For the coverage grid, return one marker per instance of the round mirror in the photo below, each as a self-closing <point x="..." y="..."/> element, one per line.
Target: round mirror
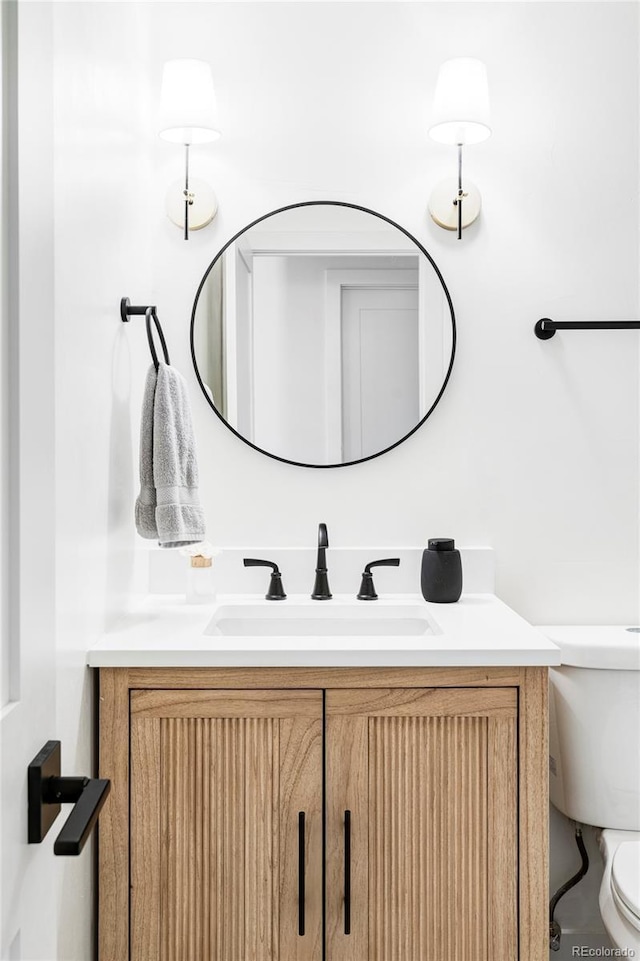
<point x="323" y="334"/>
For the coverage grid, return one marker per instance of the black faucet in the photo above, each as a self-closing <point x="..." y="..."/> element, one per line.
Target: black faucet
<point x="321" y="590"/>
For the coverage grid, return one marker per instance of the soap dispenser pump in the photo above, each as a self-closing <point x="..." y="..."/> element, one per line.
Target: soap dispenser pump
<point x="441" y="575"/>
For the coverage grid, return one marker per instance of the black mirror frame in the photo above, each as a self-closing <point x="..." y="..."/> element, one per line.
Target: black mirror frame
<point x="320" y="203"/>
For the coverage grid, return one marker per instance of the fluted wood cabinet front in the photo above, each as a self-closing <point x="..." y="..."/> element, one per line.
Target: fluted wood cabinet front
<point x="424" y="800"/>
<point x="422" y="825"/>
<point x="223" y="866"/>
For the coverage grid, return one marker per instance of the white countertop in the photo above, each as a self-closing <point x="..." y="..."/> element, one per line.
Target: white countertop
<point x="478" y="630"/>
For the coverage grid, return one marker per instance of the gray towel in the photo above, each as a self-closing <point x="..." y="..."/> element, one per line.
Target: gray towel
<point x="146" y="502"/>
<point x="168" y="508"/>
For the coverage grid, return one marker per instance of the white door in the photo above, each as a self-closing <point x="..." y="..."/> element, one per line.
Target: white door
<point x="28" y="873"/>
<point x="380" y="370"/>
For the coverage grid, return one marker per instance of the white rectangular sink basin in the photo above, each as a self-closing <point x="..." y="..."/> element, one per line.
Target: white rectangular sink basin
<point x="323" y="619"/>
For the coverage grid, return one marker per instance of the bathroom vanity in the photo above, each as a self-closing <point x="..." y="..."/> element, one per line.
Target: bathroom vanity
<point x="348" y="798"/>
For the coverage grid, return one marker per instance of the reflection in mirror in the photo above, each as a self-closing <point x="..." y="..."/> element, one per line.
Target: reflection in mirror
<point x="323" y="334"/>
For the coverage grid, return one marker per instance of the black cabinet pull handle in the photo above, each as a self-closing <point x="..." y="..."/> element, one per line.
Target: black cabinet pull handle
<point x="301" y="874"/>
<point x="347" y="872"/>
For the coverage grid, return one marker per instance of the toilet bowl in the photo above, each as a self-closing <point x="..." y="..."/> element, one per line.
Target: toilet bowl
<point x="620" y="889"/>
<point x="594" y="760"/>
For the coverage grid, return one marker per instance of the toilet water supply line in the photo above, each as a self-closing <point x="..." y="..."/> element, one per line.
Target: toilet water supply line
<point x="555" y="931"/>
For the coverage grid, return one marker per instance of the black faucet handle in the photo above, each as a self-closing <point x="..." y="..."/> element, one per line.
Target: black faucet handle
<point x="276" y="587"/>
<point x="367" y="590"/>
<point x="323" y="536"/>
<point x="385" y="562"/>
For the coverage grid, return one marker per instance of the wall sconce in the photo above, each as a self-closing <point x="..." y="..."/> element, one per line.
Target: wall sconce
<point x="188" y="116"/>
<point x="460" y="116"/>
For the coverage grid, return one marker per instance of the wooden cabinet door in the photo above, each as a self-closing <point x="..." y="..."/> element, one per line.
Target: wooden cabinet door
<point x="421" y="825"/>
<point x="226" y="825"/>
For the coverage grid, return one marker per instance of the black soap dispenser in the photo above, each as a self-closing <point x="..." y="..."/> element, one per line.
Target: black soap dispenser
<point x="441" y="575"/>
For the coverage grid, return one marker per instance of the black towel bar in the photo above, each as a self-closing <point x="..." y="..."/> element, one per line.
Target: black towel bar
<point x="127" y="310"/>
<point x="546" y="328"/>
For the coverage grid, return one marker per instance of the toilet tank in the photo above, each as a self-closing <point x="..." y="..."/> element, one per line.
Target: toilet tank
<point x="594" y="729"/>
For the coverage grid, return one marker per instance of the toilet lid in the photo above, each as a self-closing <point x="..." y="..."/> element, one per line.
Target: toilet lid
<point x="625" y="880"/>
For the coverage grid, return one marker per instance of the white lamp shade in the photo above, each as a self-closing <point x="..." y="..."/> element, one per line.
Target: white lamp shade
<point x="187" y="103"/>
<point x="461" y="113"/>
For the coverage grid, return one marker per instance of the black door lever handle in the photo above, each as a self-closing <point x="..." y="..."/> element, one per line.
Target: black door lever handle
<point x="88" y="803"/>
<point x="47" y="791"/>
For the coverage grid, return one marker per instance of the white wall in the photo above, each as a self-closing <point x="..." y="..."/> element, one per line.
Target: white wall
<point x="534" y="447"/>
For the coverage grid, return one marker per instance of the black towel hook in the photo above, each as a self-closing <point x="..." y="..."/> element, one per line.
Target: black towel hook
<point x="127" y="310"/>
<point x="150" y="315"/>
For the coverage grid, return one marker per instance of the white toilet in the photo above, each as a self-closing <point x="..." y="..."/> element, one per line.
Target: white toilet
<point x="594" y="759"/>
